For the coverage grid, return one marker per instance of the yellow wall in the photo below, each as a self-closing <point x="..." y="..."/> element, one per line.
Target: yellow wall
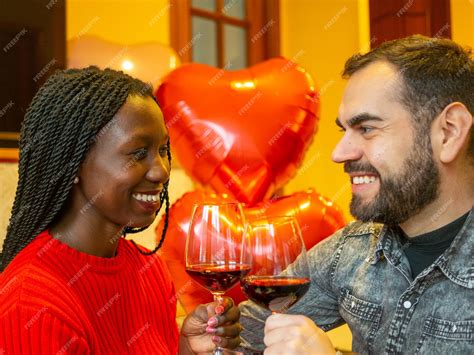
<point x="462" y="18"/>
<point x="321" y="35"/>
<point x="121" y="21"/>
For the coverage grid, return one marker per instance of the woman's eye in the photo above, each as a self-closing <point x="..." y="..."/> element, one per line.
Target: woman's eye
<point x="164" y="150"/>
<point x="140" y="154"/>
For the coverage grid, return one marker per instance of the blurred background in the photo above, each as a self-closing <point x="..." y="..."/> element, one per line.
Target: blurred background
<point x="149" y="38"/>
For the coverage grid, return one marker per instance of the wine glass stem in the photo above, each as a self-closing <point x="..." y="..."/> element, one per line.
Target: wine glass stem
<point x="220" y="300"/>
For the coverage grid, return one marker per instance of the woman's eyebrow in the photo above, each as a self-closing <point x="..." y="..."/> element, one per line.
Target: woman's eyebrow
<point x="147" y="137"/>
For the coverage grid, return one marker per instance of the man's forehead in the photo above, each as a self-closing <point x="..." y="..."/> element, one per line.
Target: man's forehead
<point x="371" y="89"/>
<point x="377" y="76"/>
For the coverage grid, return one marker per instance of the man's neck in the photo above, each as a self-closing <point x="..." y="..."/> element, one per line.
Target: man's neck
<point x="436" y="215"/>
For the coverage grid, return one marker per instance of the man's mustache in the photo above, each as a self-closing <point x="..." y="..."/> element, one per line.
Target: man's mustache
<point x="356" y="166"/>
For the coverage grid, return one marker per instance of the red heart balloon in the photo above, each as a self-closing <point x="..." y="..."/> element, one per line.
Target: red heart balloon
<point x="240" y="132"/>
<point x="317" y="216"/>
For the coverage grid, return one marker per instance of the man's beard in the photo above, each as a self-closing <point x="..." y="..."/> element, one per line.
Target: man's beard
<point x="403" y="195"/>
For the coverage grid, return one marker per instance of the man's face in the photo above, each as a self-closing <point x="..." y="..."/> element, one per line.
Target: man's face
<point x="388" y="158"/>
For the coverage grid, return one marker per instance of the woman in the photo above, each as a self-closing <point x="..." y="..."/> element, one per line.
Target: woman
<point x="94" y="165"/>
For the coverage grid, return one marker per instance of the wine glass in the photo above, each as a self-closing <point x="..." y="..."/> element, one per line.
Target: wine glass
<point x="276" y="243"/>
<point x="214" y="253"/>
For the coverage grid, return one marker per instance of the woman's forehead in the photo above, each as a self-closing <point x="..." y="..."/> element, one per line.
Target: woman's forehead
<point x="139" y="116"/>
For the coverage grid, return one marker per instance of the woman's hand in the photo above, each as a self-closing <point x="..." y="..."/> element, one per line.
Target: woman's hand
<point x="295" y="334"/>
<point x="210" y="325"/>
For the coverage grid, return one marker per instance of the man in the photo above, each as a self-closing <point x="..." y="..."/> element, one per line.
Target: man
<point x="402" y="275"/>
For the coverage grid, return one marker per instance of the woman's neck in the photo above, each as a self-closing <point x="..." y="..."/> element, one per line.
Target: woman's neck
<point x="87" y="233"/>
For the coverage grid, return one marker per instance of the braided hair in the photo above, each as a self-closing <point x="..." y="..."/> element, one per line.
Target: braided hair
<point x="60" y="126"/>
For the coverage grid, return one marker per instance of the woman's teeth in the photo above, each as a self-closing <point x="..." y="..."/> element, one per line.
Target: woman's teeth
<point x="146" y="198"/>
<point x="358" y="180"/>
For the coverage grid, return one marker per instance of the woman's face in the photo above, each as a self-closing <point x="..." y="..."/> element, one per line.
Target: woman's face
<point x="125" y="170"/>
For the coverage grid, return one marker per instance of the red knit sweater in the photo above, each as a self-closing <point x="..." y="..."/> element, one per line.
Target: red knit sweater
<point x="57" y="300"/>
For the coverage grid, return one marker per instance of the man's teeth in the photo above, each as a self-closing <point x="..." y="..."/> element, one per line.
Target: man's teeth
<point x="146" y="198"/>
<point x="357" y="180"/>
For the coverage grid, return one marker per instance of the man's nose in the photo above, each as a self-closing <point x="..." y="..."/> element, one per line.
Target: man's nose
<point x="346" y="149"/>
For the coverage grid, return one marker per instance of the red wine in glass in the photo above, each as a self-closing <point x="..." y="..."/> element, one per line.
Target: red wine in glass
<point x="280" y="272"/>
<point x="276" y="294"/>
<point x="217" y="278"/>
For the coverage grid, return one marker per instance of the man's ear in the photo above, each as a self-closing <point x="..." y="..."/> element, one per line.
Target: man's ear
<point x="451" y="131"/>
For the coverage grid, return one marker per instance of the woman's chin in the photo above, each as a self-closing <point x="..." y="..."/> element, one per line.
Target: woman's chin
<point x="143" y="222"/>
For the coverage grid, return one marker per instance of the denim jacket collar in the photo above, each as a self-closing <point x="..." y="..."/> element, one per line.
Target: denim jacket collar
<point x="456" y="262"/>
<point x="376" y="230"/>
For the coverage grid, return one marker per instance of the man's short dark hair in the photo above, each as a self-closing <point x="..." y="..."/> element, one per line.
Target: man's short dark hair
<point x="434" y="71"/>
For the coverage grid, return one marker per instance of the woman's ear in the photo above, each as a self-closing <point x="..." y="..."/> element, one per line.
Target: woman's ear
<point x="451" y="131"/>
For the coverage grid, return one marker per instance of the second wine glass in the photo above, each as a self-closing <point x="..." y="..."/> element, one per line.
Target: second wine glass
<point x="280" y="272"/>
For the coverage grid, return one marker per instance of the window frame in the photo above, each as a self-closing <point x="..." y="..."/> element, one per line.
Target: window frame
<point x="262" y="23"/>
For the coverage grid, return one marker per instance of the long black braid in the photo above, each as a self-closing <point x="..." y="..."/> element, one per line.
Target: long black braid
<point x="60" y="126"/>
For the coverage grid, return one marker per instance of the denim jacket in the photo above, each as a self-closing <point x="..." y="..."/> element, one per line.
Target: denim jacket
<point x="360" y="276"/>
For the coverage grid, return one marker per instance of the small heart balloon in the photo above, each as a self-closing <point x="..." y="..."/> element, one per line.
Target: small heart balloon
<point x="317" y="217"/>
<point x="149" y="62"/>
<point x="240" y="132"/>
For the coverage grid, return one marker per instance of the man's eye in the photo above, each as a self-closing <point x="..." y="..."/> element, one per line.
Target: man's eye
<point x="341" y="129"/>
<point x="140" y="154"/>
<point x="365" y="129"/>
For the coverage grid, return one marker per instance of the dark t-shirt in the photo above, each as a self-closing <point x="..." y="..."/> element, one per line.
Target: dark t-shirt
<point x="424" y="249"/>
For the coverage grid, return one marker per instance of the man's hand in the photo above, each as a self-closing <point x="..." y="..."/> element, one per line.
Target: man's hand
<point x="295" y="334"/>
<point x="210" y="325"/>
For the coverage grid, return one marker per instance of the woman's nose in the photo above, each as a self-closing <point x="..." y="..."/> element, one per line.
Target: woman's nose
<point x="160" y="171"/>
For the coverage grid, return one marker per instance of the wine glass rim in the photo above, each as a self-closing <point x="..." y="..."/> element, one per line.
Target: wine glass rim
<point x="217" y="203"/>
<point x="271" y="219"/>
